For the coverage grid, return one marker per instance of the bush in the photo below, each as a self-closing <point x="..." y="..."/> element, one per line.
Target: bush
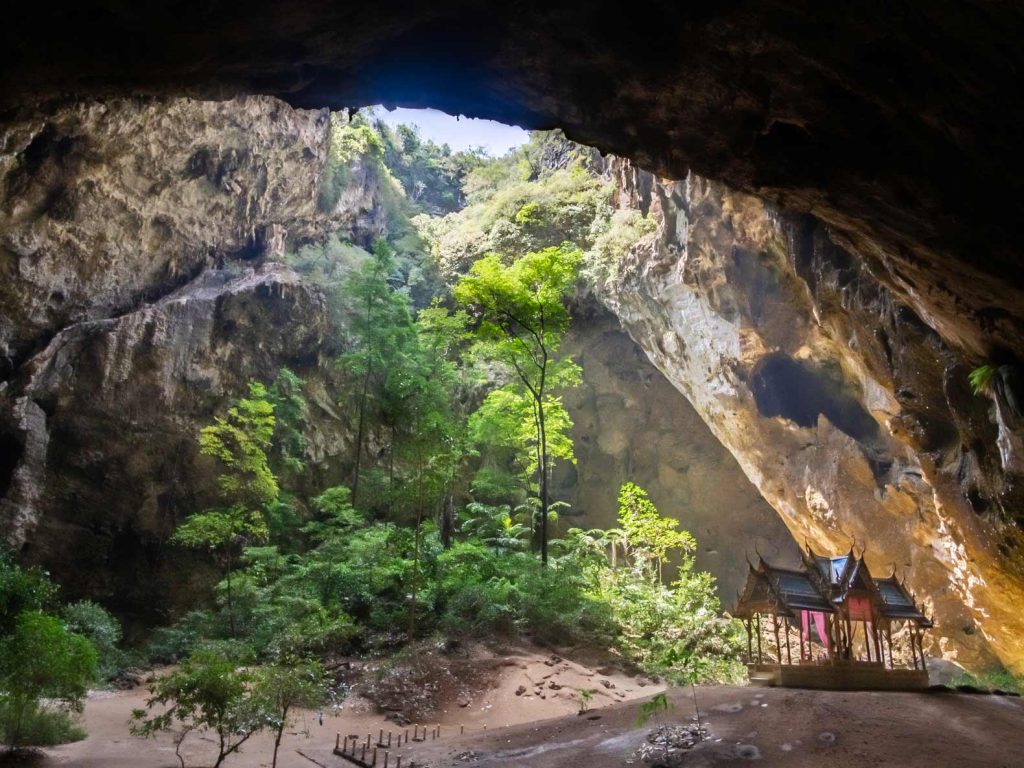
<point x="38" y="725"/>
<point x="168" y="645"/>
<point x="95" y="623"/>
<point x="40" y="659"/>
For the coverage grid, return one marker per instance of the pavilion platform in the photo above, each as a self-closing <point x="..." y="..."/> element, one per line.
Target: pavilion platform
<point x="857" y="676"/>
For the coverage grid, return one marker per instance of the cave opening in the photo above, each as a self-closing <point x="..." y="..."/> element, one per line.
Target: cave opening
<point x="793" y="390"/>
<point x="806" y="132"/>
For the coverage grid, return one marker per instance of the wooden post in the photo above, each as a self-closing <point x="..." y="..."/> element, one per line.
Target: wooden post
<point x="337" y="742"/>
<point x="387" y="756"/>
<point x="867" y="640"/>
<point x="759" y="657"/>
<point x="750" y="642"/>
<point x="913" y="645"/>
<point x="778" y="643"/>
<point x="398" y="762"/>
<point x="374" y="756"/>
<point x="789" y="654"/>
<point x="849" y="635"/>
<point x="462" y="729"/>
<point x="888" y="640"/>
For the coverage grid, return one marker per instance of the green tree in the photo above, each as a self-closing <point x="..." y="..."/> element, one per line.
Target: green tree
<point x="22" y="589"/>
<point x="247" y="484"/>
<point x="95" y="623"/>
<point x="290" y="411"/>
<point x="208" y="692"/>
<point x="40" y="660"/>
<point x="381" y="327"/>
<point x="648" y="536"/>
<point x="522" y="315"/>
<point x="281" y="688"/>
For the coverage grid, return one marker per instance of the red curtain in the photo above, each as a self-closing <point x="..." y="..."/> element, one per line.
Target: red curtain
<point x="860" y="608"/>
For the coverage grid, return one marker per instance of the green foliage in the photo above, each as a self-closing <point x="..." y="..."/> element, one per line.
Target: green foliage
<point x="648" y="709"/>
<point x="38" y="726"/>
<point x="431" y="175"/>
<point x="981" y="378"/>
<point x="21" y="590"/>
<point x="522" y="318"/>
<point x="352" y="143"/>
<point x="494" y="526"/>
<point x="282" y="687"/>
<point x="991" y="680"/>
<point x="585" y="695"/>
<point x="289" y="409"/>
<point x="647" y="535"/>
<point x="614" y="238"/>
<point x="518" y="210"/>
<point x="95" y="623"/>
<point x="240" y="442"/>
<point x="168" y="645"/>
<point x="208" y="692"/>
<point x="40" y="660"/>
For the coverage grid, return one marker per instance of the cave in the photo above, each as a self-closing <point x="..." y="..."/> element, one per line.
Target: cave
<point x="811" y="338"/>
<point x="788" y="388"/>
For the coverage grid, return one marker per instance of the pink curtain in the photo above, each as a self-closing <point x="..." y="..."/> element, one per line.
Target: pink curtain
<point x="818" y="617"/>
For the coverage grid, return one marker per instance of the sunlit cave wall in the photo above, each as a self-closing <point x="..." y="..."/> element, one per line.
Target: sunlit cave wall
<point x="631" y="425"/>
<point x="847" y="411"/>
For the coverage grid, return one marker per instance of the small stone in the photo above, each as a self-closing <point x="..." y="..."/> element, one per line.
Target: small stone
<point x="520" y="690"/>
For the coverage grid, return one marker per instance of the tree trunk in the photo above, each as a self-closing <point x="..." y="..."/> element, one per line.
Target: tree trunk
<point x="231" y="602"/>
<point x="447" y="520"/>
<point x="359" y="434"/>
<point x="543" y="488"/>
<point x="277" y="740"/>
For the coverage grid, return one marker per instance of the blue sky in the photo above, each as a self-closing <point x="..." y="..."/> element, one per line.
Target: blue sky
<point x="462" y="133"/>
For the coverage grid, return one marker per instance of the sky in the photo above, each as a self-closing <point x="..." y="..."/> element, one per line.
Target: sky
<point x="461" y="133"/>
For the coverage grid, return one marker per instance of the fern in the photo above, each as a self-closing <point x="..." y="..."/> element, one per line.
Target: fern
<point x="981" y="379"/>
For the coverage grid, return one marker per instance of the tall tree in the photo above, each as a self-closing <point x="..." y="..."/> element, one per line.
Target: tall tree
<point x="648" y="536"/>
<point x="430" y="440"/>
<point x="523" y="317"/>
<point x="381" y="324"/>
<point x="247" y="484"/>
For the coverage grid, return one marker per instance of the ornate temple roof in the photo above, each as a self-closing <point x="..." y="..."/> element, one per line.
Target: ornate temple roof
<point x="824" y="584"/>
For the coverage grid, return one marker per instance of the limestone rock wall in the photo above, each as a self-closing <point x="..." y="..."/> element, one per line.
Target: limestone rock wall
<point x="845" y="409"/>
<point x="104" y="206"/>
<point x="139" y="296"/>
<point x="631" y="424"/>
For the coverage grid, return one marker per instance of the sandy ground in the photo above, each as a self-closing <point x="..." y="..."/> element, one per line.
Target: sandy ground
<point x="776" y="727"/>
<point x="550" y="684"/>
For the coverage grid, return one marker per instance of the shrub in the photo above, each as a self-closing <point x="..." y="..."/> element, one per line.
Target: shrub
<point x="95" y="623"/>
<point x="40" y="726"/>
<point x="207" y="692"/>
<point x="40" y="659"/>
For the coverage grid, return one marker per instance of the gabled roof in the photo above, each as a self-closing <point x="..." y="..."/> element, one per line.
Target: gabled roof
<point x="786" y="591"/>
<point x="797" y="590"/>
<point x="897" y="603"/>
<point x="823" y="584"/>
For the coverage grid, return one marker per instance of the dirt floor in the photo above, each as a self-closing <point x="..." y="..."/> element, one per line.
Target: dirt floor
<point x="529" y="718"/>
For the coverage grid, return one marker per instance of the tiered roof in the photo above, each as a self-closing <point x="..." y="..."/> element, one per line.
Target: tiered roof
<point x="824" y="584"/>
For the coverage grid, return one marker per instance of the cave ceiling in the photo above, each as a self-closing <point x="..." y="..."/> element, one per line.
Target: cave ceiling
<point x="897" y="124"/>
